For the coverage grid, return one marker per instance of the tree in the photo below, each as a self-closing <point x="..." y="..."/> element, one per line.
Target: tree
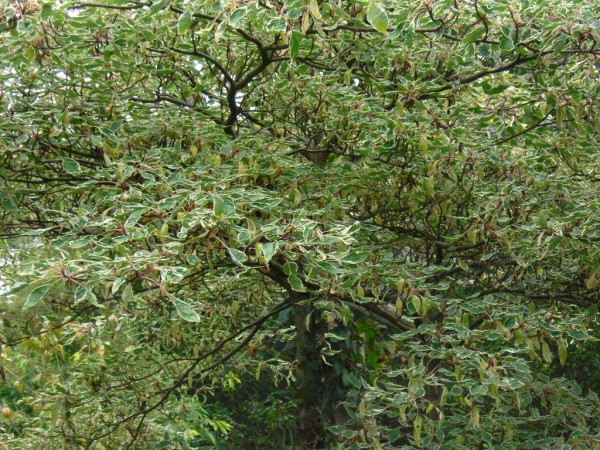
<point x="390" y="207"/>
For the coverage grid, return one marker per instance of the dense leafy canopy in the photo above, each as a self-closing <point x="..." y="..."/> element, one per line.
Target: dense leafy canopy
<point x="353" y="224"/>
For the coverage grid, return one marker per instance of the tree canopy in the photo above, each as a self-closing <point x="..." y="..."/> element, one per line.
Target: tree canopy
<point x="298" y="224"/>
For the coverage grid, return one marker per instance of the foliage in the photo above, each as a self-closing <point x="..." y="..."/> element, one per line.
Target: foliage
<point x="389" y="208"/>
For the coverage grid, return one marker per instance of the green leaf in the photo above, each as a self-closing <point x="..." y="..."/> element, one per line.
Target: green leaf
<point x="237" y="256"/>
<point x="269" y="250"/>
<point x="91" y="297"/>
<point x="185" y="21"/>
<point x="185" y="310"/>
<point x="133" y="219"/>
<point x="578" y="334"/>
<point x="70" y="165"/>
<point x="237" y="16"/>
<point x="127" y="293"/>
<point x="8" y="203"/>
<point x="377" y="17"/>
<point x="295" y="41"/>
<point x="290" y="268"/>
<point x="473" y="35"/>
<point x="218" y="206"/>
<point x="46" y="12"/>
<point x="159" y="6"/>
<point x="296" y="283"/>
<point x="36" y="295"/>
<point x="562" y="351"/>
<point x="507" y="44"/>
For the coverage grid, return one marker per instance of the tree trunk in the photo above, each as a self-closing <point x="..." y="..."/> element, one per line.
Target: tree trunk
<point x="309" y="393"/>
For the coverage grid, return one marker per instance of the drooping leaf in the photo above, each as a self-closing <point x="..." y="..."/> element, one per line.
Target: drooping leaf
<point x="218" y="206"/>
<point x="295" y="42"/>
<point x="313" y="7"/>
<point x="185" y="21"/>
<point x="269" y="250"/>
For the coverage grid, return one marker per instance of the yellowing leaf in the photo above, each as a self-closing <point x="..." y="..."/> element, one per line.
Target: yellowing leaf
<point x="377" y="17"/>
<point x="531" y="347"/>
<point x="444" y="396"/>
<point x="423" y="144"/>
<point x="164" y="230"/>
<point x="547" y="355"/>
<point x="127" y="293"/>
<point x="297" y="195"/>
<point x="313" y="7"/>
<point x="417" y="428"/>
<point x="562" y="351"/>
<point x="399" y="305"/>
<point x="360" y="291"/>
<point x="402" y="412"/>
<point x="416" y="302"/>
<point x="305" y="21"/>
<point x="592" y="282"/>
<point x="475" y="415"/>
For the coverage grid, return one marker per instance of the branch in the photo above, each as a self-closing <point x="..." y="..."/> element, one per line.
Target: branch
<point x="208" y="58"/>
<point x="529" y="128"/>
<point x="105" y="6"/>
<point x="483" y="73"/>
<point x="369" y="309"/>
<point x="182" y="379"/>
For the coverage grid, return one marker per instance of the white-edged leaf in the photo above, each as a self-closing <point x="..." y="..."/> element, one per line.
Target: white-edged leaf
<point x="133" y="218"/>
<point x="269" y="249"/>
<point x="185" y="310"/>
<point x="36" y="295"/>
<point x="117" y="284"/>
<point x="473" y="35"/>
<point x="237" y="256"/>
<point x="80" y="293"/>
<point x="70" y="165"/>
<point x="296" y="283"/>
